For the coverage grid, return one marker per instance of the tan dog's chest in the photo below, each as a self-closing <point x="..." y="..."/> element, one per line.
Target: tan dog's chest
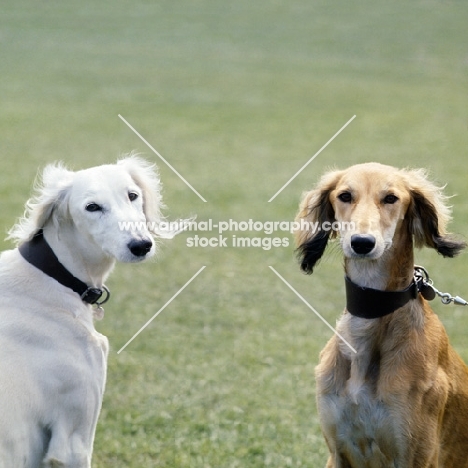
<point x="364" y="432"/>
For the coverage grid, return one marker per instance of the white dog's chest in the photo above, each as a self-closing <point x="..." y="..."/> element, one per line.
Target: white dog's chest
<point x="365" y="432"/>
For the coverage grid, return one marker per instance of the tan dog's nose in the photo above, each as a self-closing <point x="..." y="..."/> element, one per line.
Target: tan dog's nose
<point x="362" y="244"/>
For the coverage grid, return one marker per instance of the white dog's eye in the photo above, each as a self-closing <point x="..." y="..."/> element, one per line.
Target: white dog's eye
<point x="132" y="196"/>
<point x="93" y="207"/>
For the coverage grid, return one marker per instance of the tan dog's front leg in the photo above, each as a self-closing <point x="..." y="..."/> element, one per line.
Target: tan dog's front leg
<point x="337" y="461"/>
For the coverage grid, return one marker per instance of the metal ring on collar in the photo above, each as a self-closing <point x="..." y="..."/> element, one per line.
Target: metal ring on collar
<point x="108" y="294"/>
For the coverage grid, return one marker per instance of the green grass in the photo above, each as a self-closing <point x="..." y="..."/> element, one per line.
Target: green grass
<point x="237" y="96"/>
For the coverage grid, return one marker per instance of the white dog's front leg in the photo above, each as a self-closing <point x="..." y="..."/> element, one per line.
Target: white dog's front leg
<point x="79" y="461"/>
<point x="73" y="452"/>
<point x="72" y="434"/>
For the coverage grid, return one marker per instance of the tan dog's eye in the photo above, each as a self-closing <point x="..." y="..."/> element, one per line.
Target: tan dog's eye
<point x="345" y="197"/>
<point x="390" y="199"/>
<point x="132" y="196"/>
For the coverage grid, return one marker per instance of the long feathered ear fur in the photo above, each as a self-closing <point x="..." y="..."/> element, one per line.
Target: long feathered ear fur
<point x="49" y="200"/>
<point x="428" y="216"/>
<point x="146" y="177"/>
<point x="314" y="210"/>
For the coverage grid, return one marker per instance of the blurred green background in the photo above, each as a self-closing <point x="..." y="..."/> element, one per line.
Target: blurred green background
<point x="237" y="96"/>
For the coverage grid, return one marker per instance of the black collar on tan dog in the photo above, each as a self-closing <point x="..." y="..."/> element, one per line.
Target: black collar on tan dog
<point x="38" y="252"/>
<point x="371" y="303"/>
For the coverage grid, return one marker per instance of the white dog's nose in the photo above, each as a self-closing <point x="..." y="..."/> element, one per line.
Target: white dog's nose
<point x="362" y="244"/>
<point x="140" y="248"/>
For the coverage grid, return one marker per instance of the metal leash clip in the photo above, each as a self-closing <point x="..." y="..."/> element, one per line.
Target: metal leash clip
<point x="429" y="291"/>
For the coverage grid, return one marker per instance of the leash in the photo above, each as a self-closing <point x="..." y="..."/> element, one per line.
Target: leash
<point x="373" y="303"/>
<point x="39" y="253"/>
<point x="429" y="292"/>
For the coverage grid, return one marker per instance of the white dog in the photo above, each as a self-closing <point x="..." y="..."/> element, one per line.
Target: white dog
<point x="53" y="364"/>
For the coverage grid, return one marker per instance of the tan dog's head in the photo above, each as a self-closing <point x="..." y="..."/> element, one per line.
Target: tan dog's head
<point x="367" y="205"/>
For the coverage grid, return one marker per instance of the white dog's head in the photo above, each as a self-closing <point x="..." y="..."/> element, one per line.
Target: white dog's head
<point x="113" y="209"/>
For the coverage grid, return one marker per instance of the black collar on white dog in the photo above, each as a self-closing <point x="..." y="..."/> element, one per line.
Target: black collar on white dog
<point x="38" y="252"/>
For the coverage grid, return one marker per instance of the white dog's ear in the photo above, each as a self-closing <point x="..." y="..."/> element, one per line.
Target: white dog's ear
<point x="49" y="200"/>
<point x="145" y="175"/>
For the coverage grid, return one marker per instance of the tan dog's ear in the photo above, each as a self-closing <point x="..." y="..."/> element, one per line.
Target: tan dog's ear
<point x="428" y="216"/>
<point x="314" y="210"/>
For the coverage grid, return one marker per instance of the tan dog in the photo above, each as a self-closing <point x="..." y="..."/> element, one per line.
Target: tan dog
<point x="400" y="400"/>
